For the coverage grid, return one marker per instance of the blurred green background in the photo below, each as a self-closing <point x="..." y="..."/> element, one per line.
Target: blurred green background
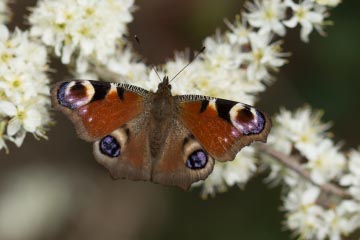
<point x="55" y="190"/>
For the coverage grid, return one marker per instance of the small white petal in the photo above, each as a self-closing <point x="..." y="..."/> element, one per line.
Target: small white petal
<point x="32" y="120"/>
<point x="18" y="138"/>
<point x="4" y="33"/>
<point x="315" y="17"/>
<point x="310" y="195"/>
<point x="291" y="23"/>
<point x="81" y="64"/>
<point x="66" y="54"/>
<point x="8" y="108"/>
<point x="14" y="126"/>
<point x="306" y="29"/>
<point x="279" y="29"/>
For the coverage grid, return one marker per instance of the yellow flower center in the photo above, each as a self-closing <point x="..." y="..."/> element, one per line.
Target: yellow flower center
<point x="21" y="115"/>
<point x="8" y="44"/>
<point x="16" y="83"/>
<point x="2" y="94"/>
<point x="269" y="14"/>
<point x="68" y="39"/>
<point x="5" y="57"/>
<point x="203" y="83"/>
<point x="2" y="128"/>
<point x="68" y="16"/>
<point x="319" y="163"/>
<point x="84" y="31"/>
<point x="89" y="11"/>
<point x="60" y="26"/>
<point x="258" y="55"/>
<point x="300" y="13"/>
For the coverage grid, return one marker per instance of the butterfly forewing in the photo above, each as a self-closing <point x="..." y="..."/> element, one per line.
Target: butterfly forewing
<point x="98" y="108"/>
<point x="222" y="126"/>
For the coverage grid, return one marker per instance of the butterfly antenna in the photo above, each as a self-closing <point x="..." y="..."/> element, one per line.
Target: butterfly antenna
<point x="192" y="60"/>
<point x="137" y="39"/>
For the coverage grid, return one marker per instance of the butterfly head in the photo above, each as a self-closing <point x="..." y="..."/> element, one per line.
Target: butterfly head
<point x="164" y="87"/>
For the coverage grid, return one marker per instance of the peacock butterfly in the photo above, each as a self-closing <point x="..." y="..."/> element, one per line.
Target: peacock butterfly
<point x="155" y="136"/>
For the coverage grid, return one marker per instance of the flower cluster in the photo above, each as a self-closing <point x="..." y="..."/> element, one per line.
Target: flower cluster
<point x="303" y="131"/>
<point x="4" y="12"/>
<point x="311" y="212"/>
<point x="24" y="90"/>
<point x="81" y="32"/>
<point x="270" y="16"/>
<point x="310" y="220"/>
<point x="239" y="63"/>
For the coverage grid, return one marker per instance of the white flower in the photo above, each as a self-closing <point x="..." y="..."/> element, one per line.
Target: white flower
<point x="23" y="119"/>
<point x="330" y="3"/>
<point x="339" y="221"/>
<point x="348" y="212"/>
<point x="241" y="169"/>
<point x="215" y="73"/>
<point x="311" y="221"/>
<point x="189" y="81"/>
<point x="303" y="134"/>
<point x="220" y="54"/>
<point x="267" y="15"/>
<point x="303" y="195"/>
<point x="307" y="15"/>
<point x="27" y="118"/>
<point x="127" y="68"/>
<point x="239" y="33"/>
<point x="304" y="216"/>
<point x="4" y="11"/>
<point x="7" y="109"/>
<point x="352" y="178"/>
<point x="325" y="162"/>
<point x="264" y="55"/>
<point x="82" y="31"/>
<point x="302" y="129"/>
<point x="24" y="89"/>
<point x="227" y="174"/>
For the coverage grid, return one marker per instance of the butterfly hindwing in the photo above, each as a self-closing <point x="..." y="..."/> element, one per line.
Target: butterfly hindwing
<point x="182" y="160"/>
<point x="125" y="152"/>
<point x="222" y="126"/>
<point x="98" y="108"/>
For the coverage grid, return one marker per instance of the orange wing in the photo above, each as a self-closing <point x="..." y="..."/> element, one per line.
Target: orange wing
<point x="98" y="108"/>
<point x="221" y="126"/>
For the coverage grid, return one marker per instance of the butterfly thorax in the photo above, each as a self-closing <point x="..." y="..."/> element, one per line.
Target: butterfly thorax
<point x="162" y="113"/>
<point x="162" y="101"/>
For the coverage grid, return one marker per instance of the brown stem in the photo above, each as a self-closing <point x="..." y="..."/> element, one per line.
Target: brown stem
<point x="292" y="163"/>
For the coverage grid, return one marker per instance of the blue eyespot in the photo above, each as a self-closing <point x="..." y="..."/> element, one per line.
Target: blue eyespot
<point x="197" y="160"/>
<point x="61" y="96"/>
<point x="110" y="146"/>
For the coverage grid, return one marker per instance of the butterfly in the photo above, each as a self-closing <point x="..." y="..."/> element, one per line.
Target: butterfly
<point x="155" y="136"/>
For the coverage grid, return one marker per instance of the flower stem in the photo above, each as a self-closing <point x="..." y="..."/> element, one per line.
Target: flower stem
<point x="292" y="163"/>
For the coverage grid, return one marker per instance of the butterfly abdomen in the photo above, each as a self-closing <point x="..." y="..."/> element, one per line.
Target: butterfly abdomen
<point x="161" y="120"/>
